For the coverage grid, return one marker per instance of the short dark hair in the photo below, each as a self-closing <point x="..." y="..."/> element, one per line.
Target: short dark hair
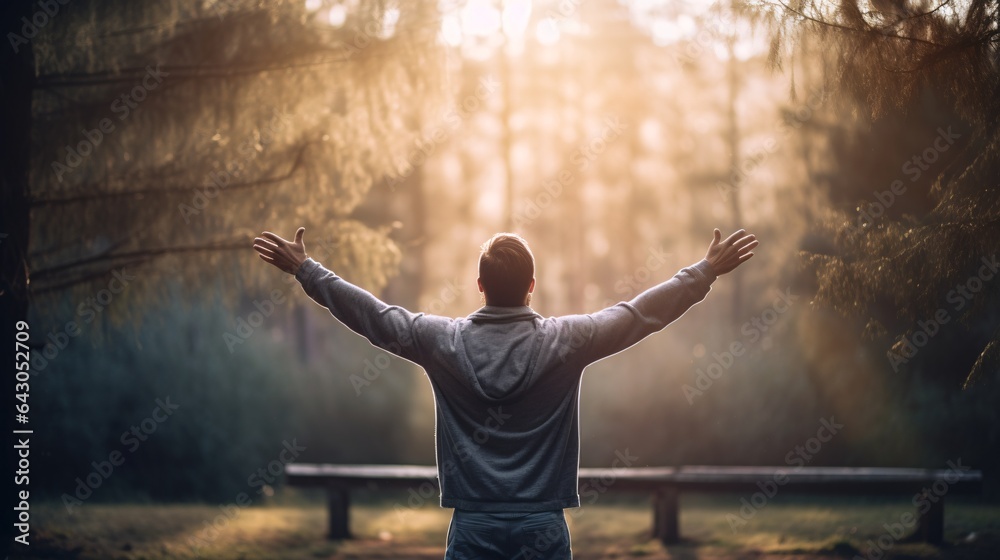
<point x="506" y="268"/>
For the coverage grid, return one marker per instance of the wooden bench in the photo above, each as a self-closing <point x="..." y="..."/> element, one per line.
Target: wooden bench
<point x="665" y="484"/>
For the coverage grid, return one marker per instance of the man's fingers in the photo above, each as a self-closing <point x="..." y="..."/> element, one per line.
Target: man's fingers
<point x="265" y="259"/>
<point x="746" y="242"/>
<point x="265" y="243"/>
<point x="745" y="257"/>
<point x="718" y="237"/>
<point x="262" y="245"/>
<point x="265" y="251"/>
<point x="280" y="241"/>
<point x="736" y="235"/>
<point x="298" y="234"/>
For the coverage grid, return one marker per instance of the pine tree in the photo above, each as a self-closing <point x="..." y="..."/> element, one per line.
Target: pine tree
<point x="165" y="135"/>
<point x="907" y="270"/>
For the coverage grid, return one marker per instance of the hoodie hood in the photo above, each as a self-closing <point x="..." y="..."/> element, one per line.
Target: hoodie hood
<point x="496" y="314"/>
<point x="501" y="348"/>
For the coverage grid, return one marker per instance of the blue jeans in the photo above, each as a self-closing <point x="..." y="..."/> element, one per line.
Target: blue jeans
<point x="475" y="535"/>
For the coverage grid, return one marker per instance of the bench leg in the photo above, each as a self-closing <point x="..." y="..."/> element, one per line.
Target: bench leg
<point x="665" y="516"/>
<point x="930" y="526"/>
<point x="338" y="503"/>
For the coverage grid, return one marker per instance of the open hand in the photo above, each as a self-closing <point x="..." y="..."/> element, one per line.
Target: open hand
<point x="726" y="255"/>
<point x="284" y="254"/>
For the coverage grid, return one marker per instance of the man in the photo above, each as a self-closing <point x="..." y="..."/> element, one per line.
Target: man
<point x="506" y="383"/>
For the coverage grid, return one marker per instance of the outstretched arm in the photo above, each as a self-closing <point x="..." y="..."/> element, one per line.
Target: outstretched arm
<point x="387" y="326"/>
<point x="615" y="328"/>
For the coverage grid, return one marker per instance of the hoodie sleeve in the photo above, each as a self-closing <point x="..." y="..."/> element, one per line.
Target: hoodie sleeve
<point x="389" y="327"/>
<point x="615" y="328"/>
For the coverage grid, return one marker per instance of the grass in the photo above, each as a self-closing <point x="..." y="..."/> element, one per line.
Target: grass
<point x="788" y="529"/>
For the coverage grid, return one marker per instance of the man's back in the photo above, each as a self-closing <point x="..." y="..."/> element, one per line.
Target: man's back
<point x="506" y="382"/>
<point x="506" y="405"/>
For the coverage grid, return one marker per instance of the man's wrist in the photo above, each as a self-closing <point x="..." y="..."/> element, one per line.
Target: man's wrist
<point x="705" y="266"/>
<point x="300" y="268"/>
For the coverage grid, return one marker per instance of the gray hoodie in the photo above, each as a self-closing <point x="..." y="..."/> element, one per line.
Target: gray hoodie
<point x="506" y="381"/>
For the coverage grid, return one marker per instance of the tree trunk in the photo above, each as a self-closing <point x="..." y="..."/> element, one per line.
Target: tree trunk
<point x="733" y="139"/>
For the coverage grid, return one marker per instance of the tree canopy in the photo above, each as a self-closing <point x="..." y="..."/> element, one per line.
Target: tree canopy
<point x="919" y="248"/>
<point x="169" y="133"/>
